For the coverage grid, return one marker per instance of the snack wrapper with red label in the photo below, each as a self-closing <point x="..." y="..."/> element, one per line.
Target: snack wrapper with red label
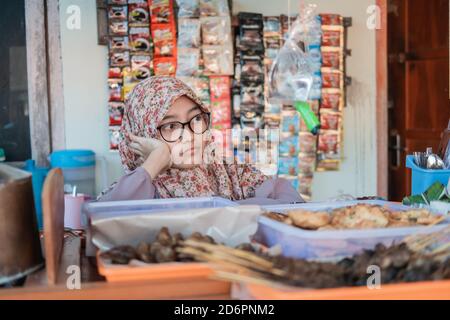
<point x="115" y="113"/>
<point x="220" y="88"/>
<point x="331" y="19"/>
<point x="289" y="145"/>
<point x="329" y="143"/>
<point x="114" y="137"/>
<point x="115" y="72"/>
<point x="333" y="36"/>
<point x="331" y="99"/>
<point x="221" y="113"/>
<point x="331" y="79"/>
<point x="161" y="11"/>
<point x="115" y="90"/>
<point x="118" y="2"/>
<point x="332" y="58"/>
<point x="288" y="166"/>
<point x="164" y="40"/>
<point x="330" y="120"/>
<point x="165" y="66"/>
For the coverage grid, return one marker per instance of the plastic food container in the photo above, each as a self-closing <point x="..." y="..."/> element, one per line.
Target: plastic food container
<point x="422" y="179"/>
<point x="310" y="244"/>
<point x="123" y="208"/>
<point x="430" y="290"/>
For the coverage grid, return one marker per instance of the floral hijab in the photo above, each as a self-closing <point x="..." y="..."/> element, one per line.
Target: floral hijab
<point x="144" y="110"/>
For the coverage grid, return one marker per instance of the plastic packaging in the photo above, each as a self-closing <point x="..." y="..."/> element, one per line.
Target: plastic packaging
<point x="188" y="33"/>
<point x="188" y="8"/>
<point x="305" y="244"/>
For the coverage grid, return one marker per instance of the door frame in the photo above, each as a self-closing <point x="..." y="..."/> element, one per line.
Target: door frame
<point x="45" y="86"/>
<point x="381" y="59"/>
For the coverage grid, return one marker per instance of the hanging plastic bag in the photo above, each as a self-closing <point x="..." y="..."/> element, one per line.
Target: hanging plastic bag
<point x="291" y="76"/>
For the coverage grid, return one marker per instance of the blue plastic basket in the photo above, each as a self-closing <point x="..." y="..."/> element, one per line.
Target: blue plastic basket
<point x="422" y="179"/>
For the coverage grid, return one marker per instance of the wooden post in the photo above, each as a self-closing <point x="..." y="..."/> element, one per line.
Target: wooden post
<point x="37" y="80"/>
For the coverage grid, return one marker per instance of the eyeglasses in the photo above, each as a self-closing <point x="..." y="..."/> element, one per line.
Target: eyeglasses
<point x="173" y="131"/>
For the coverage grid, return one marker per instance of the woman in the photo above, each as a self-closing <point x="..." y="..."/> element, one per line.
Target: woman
<point x="168" y="152"/>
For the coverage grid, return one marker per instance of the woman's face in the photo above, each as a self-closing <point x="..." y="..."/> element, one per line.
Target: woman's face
<point x="187" y="150"/>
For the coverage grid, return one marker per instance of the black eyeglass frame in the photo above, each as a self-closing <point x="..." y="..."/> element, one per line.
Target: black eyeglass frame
<point x="183" y="125"/>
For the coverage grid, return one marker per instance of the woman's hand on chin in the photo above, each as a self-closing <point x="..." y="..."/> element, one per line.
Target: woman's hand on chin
<point x="155" y="152"/>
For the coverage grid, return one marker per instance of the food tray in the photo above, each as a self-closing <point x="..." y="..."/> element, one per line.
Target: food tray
<point x="307" y="244"/>
<point x="430" y="290"/>
<point x="171" y="275"/>
<point x="121" y="208"/>
<point x="128" y="208"/>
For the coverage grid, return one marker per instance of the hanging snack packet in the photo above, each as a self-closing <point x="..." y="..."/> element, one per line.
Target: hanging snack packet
<point x="188" y="33"/>
<point x="138" y="13"/>
<point x="115" y="90"/>
<point x="118" y="28"/>
<point x="330" y="120"/>
<point x="218" y="60"/>
<point x="307" y="162"/>
<point x="331" y="19"/>
<point x="252" y="70"/>
<point x="188" y="61"/>
<point x="331" y="78"/>
<point x="288" y="166"/>
<point x="119" y="13"/>
<point x="331" y="99"/>
<point x="118" y="2"/>
<point x="119" y="59"/>
<point x="140" y="39"/>
<point x="220" y="88"/>
<point x="118" y="44"/>
<point x="114" y="137"/>
<point x="221" y="113"/>
<point x="115" y="72"/>
<point x="213" y="8"/>
<point x="188" y="8"/>
<point x="289" y="145"/>
<point x="272" y="27"/>
<point x="290" y="122"/>
<point x="140" y="67"/>
<point x="115" y="113"/>
<point x="165" y="66"/>
<point x="216" y="30"/>
<point x="332" y="57"/>
<point x="252" y="94"/>
<point x="333" y="36"/>
<point x="161" y="11"/>
<point x="308" y="142"/>
<point x="305" y="185"/>
<point x="164" y="40"/>
<point x="329" y="143"/>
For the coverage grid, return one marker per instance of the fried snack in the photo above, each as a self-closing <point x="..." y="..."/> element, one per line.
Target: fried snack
<point x="276" y="216"/>
<point x="399" y="223"/>
<point x="361" y="216"/>
<point x="415" y="216"/>
<point x="306" y="219"/>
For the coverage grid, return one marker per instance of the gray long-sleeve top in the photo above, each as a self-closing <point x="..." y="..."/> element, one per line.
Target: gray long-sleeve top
<point x="137" y="185"/>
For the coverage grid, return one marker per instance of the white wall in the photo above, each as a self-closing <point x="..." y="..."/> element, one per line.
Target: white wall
<point x="85" y="69"/>
<point x="85" y="90"/>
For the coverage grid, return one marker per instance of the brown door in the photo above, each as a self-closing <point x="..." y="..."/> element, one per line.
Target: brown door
<point x="419" y="105"/>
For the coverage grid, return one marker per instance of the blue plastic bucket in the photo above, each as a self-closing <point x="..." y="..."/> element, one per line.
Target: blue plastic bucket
<point x="78" y="168"/>
<point x="422" y="179"/>
<point x="38" y="176"/>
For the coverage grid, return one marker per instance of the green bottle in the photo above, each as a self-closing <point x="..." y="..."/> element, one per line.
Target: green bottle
<point x="311" y="121"/>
